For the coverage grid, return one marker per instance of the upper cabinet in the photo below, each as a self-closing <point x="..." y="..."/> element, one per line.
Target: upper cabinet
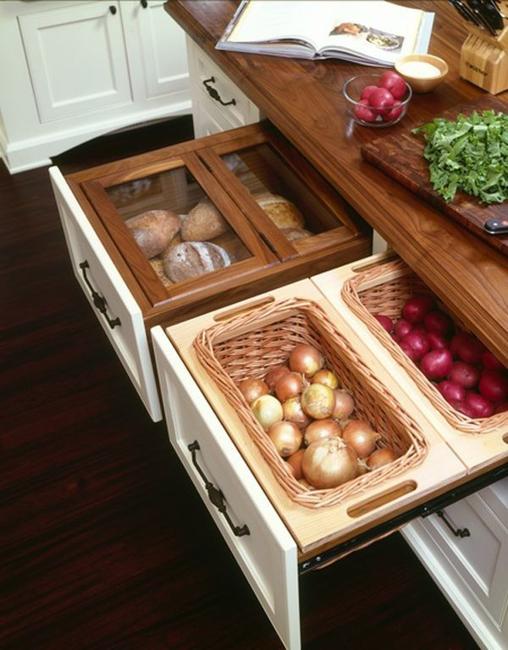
<point x="81" y="69"/>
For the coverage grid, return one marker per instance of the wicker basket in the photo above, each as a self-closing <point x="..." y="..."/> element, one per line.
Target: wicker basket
<point x="384" y="289"/>
<point x="251" y="344"/>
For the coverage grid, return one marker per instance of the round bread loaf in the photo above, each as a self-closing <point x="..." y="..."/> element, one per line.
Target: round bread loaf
<point x="158" y="267"/>
<point x="292" y="234"/>
<point x="282" y="212"/>
<point x="203" y="222"/>
<point x="153" y="230"/>
<point x="233" y="246"/>
<point x="194" y="258"/>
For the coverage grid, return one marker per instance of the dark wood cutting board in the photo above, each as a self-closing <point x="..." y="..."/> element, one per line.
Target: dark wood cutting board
<point x="401" y="156"/>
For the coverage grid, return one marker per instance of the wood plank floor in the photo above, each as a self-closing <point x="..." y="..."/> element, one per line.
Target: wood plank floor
<point x="103" y="544"/>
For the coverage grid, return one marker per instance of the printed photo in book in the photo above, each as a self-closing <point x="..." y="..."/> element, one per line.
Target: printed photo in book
<point x="373" y="32"/>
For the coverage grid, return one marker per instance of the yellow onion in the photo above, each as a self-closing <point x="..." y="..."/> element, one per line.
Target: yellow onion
<point x="325" y="377"/>
<point x="293" y="412"/>
<point x="359" y="435"/>
<point x="305" y="484"/>
<point x="273" y="375"/>
<point x="295" y="462"/>
<point x="252" y="388"/>
<point x="267" y="410"/>
<point x="329" y="463"/>
<point x="318" y="401"/>
<point x="289" y="385"/>
<point x="321" y="429"/>
<point x="306" y="359"/>
<point x="381" y="457"/>
<point x="343" y="405"/>
<point x="286" y="437"/>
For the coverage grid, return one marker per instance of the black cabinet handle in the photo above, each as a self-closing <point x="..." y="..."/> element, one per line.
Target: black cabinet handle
<point x="98" y="300"/>
<point x="214" y="93"/>
<point x="144" y="3"/>
<point x="112" y="9"/>
<point x="214" y="494"/>
<point x="458" y="532"/>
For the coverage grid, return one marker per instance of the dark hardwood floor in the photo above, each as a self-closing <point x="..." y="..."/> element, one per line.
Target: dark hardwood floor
<point x="103" y="542"/>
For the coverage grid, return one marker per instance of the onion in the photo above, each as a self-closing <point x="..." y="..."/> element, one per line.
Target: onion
<point x="286" y="437"/>
<point x="318" y="401"/>
<point x="467" y="347"/>
<point x="436" y="341"/>
<point x="329" y="463"/>
<point x="343" y="405"/>
<point x="267" y="410"/>
<point x="381" y="457"/>
<point x="325" y="377"/>
<point x="359" y="435"/>
<point x="417" y="308"/>
<point x="273" y="375"/>
<point x="306" y="359"/>
<point x="478" y="405"/>
<point x="295" y="462"/>
<point x="293" y="412"/>
<point x="417" y="342"/>
<point x="491" y="362"/>
<point x="289" y="385"/>
<point x="493" y="386"/>
<point x="464" y="374"/>
<point x="320" y="429"/>
<point x="436" y="364"/>
<point x="438" y="321"/>
<point x="451" y="391"/>
<point x="385" y="322"/>
<point x="253" y="388"/>
<point x="401" y="328"/>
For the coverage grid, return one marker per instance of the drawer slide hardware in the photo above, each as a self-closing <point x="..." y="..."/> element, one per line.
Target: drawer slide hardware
<point x="98" y="300"/>
<point x="215" y="495"/>
<point x="458" y="532"/>
<point x="214" y="93"/>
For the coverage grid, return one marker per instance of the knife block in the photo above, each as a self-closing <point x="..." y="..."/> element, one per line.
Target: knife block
<point x="484" y="58"/>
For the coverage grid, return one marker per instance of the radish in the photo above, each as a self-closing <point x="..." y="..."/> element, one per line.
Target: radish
<point x="467" y="347"/>
<point x="401" y="328"/>
<point x="384" y="321"/>
<point x="437" y="321"/>
<point x="493" y="386"/>
<point x="418" y="342"/>
<point x="416" y="308"/>
<point x="394" y="83"/>
<point x="464" y="374"/>
<point x="451" y="391"/>
<point x="436" y="341"/>
<point x="480" y="406"/>
<point x="491" y="362"/>
<point x="436" y="364"/>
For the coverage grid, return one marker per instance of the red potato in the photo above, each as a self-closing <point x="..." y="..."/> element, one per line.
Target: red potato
<point x="418" y="342"/>
<point x="493" y="386"/>
<point x="401" y="328"/>
<point x="367" y="91"/>
<point x="364" y="112"/>
<point x="451" y="391"/>
<point x="464" y="374"/>
<point x="478" y="405"/>
<point x="416" y="308"/>
<point x="438" y="321"/>
<point x="384" y="321"/>
<point x="467" y="347"/>
<point x="394" y="83"/>
<point x="436" y="341"/>
<point x="381" y="99"/>
<point x="436" y="364"/>
<point x="394" y="113"/>
<point x="491" y="362"/>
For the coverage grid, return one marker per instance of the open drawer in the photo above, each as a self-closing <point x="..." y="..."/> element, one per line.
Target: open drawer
<point x="480" y="443"/>
<point x="182" y="229"/>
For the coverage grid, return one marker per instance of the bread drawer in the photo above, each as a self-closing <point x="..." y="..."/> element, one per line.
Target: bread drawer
<point x="208" y="240"/>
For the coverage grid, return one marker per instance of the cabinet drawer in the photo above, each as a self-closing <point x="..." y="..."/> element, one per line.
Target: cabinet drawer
<point x="261" y="545"/>
<point x="122" y="319"/>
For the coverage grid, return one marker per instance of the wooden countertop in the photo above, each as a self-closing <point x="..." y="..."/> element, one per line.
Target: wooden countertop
<point x="304" y="100"/>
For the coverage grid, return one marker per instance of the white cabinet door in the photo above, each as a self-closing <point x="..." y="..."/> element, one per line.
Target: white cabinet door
<point x="156" y="51"/>
<point x="265" y="551"/>
<point x="76" y="58"/>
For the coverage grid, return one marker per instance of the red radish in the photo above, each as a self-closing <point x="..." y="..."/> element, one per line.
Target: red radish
<point x="501" y="408"/>
<point x="436" y="341"/>
<point x="394" y="113"/>
<point x="437" y="321"/>
<point x="367" y="91"/>
<point x="452" y="392"/>
<point x="416" y="308"/>
<point x="363" y="112"/>
<point x="381" y="99"/>
<point x="409" y="351"/>
<point x="464" y="374"/>
<point x="467" y="347"/>
<point x="385" y="322"/>
<point x="493" y="386"/>
<point x="491" y="362"/>
<point x="401" y="328"/>
<point x="480" y="406"/>
<point x="394" y="83"/>
<point x="418" y="342"/>
<point x="436" y="364"/>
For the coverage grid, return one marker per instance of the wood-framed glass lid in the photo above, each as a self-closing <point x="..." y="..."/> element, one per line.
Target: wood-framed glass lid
<point x="174" y="225"/>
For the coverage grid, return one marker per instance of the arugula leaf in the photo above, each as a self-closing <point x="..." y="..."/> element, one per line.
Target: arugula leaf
<point x="469" y="154"/>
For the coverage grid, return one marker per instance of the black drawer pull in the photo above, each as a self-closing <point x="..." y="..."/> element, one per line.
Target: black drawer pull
<point x="98" y="300"/>
<point x="458" y="532"/>
<point x="112" y="9"/>
<point x="144" y="4"/>
<point x="214" y="93"/>
<point x="215" y="495"/>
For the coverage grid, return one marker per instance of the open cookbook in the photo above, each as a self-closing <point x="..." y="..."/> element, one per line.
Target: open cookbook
<point x="370" y="32"/>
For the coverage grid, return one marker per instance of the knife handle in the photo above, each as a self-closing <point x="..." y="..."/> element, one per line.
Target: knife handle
<point x="496" y="226"/>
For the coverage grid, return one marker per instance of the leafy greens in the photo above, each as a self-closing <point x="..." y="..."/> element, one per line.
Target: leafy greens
<point x="469" y="154"/>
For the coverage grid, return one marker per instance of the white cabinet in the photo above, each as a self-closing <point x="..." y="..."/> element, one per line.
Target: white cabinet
<point x="81" y="69"/>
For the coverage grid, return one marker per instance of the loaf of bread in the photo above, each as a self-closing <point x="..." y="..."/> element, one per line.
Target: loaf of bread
<point x="282" y="212"/>
<point x="194" y="258"/>
<point x="153" y="230"/>
<point x="292" y="234"/>
<point x="158" y="267"/>
<point x="233" y="246"/>
<point x="204" y="222"/>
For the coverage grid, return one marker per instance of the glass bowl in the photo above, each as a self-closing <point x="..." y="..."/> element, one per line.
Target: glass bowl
<point x="365" y="114"/>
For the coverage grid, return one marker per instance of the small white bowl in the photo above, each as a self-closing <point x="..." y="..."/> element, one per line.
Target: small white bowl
<point x="422" y="84"/>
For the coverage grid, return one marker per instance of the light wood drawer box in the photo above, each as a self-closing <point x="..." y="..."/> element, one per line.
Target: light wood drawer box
<point x="228" y="170"/>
